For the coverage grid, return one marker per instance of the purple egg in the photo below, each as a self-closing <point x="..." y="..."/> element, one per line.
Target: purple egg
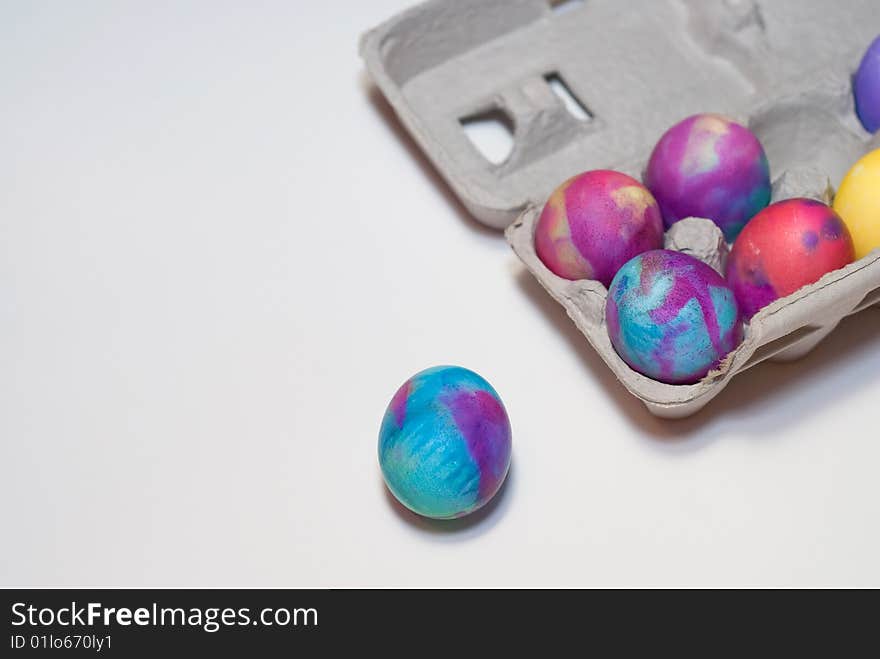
<point x="709" y="166"/>
<point x="866" y="87"/>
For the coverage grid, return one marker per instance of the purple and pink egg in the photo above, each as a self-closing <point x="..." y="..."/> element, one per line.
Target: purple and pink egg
<point x="711" y="167"/>
<point x="594" y="223"/>
<point x="788" y="245"/>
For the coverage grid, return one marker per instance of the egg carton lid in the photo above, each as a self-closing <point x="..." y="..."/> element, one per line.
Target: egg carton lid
<point x="631" y="70"/>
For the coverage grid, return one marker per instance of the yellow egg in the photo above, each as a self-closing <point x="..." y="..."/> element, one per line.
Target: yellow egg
<point x="858" y="203"/>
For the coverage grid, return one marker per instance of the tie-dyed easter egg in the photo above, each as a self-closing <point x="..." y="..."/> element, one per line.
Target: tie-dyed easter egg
<point x="785" y="247"/>
<point x="866" y="88"/>
<point x="671" y="317"/>
<point x="709" y="166"/>
<point x="444" y="444"/>
<point x="594" y="223"/>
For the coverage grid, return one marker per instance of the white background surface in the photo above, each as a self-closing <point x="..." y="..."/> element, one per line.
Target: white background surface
<point x="220" y="256"/>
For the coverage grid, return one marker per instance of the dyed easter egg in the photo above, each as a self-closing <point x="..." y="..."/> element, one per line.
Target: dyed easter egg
<point x="866" y="88"/>
<point x="708" y="166"/>
<point x="671" y="317"/>
<point x="786" y="246"/>
<point x="444" y="444"/>
<point x="594" y="223"/>
<point x="858" y="203"/>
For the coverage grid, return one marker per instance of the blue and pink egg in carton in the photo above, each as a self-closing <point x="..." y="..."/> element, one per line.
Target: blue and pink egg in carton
<point x="783" y="68"/>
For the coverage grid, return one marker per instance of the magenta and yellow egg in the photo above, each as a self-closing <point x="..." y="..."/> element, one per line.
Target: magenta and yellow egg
<point x="787" y="246"/>
<point x="594" y="223"/>
<point x="709" y="166"/>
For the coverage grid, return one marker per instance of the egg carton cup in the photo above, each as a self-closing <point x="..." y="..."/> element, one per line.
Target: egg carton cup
<point x="781" y="67"/>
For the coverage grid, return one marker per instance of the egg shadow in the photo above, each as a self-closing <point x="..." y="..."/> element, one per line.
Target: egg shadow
<point x="761" y="401"/>
<point x="389" y="117"/>
<point x="462" y="528"/>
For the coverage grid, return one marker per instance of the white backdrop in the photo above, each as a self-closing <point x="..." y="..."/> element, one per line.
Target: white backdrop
<point x="220" y="256"/>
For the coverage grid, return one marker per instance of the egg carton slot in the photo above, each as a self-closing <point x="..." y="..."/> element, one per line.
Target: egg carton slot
<point x="578" y="85"/>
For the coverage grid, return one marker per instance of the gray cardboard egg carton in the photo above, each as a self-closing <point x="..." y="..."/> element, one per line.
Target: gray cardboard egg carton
<point x="782" y="67"/>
